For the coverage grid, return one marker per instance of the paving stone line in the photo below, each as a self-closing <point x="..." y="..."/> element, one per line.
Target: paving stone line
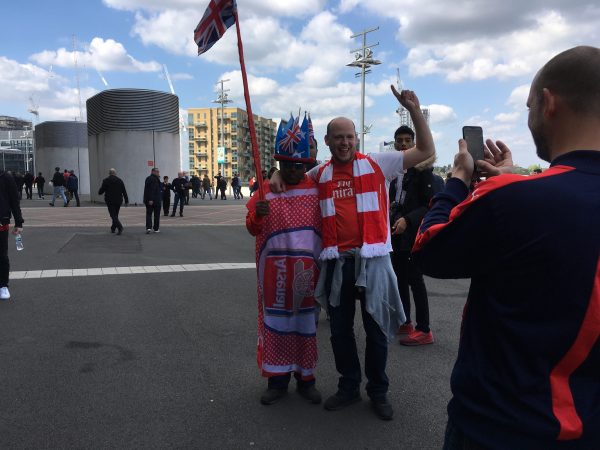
<point x="97" y="271"/>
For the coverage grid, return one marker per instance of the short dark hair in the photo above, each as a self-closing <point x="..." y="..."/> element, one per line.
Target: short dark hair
<point x="575" y="76"/>
<point x="404" y="130"/>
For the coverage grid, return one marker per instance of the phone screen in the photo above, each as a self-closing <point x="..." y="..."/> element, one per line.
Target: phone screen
<point x="474" y="138"/>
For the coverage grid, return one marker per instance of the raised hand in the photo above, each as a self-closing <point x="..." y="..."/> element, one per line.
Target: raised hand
<point x="408" y="99"/>
<point x="497" y="159"/>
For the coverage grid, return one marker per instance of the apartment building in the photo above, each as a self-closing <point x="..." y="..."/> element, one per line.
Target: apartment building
<point x="206" y="153"/>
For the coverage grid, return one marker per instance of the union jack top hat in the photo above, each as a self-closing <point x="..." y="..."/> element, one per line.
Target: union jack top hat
<point x="292" y="141"/>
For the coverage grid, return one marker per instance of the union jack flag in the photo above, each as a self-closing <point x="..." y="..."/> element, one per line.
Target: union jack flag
<point x="311" y="131"/>
<point x="219" y="15"/>
<point x="292" y="136"/>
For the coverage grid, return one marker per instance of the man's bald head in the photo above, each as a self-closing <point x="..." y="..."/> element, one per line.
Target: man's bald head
<point x="573" y="75"/>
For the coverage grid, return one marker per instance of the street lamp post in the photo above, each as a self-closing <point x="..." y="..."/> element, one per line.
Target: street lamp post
<point x="222" y="99"/>
<point x="364" y="60"/>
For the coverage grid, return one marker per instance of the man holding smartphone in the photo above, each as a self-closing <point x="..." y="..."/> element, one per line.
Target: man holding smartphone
<point x="527" y="374"/>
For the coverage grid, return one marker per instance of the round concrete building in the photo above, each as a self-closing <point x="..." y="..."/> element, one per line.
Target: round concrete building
<point x="65" y="145"/>
<point x="132" y="130"/>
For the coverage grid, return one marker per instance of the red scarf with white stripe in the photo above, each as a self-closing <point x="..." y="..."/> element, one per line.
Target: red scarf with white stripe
<point x="371" y="207"/>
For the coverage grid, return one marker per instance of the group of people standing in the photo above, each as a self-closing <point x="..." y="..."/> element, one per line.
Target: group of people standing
<point x="527" y="372"/>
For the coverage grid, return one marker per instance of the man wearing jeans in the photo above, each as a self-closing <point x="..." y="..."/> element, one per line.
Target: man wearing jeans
<point x="9" y="205"/>
<point x="356" y="253"/>
<point x="58" y="184"/>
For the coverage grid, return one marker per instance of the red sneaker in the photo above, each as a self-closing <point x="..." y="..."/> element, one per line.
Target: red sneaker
<point x="406" y="328"/>
<point x="417" y="338"/>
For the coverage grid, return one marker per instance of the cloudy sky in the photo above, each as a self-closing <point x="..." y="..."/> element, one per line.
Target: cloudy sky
<point x="471" y="62"/>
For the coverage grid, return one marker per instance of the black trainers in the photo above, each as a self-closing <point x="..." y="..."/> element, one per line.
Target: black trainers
<point x="382" y="409"/>
<point x="271" y="396"/>
<point x="340" y="400"/>
<point x="310" y="393"/>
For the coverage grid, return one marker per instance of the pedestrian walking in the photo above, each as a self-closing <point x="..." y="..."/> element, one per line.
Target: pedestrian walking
<point x="115" y="193"/>
<point x="152" y="198"/>
<point x="58" y="187"/>
<point x="9" y="206"/>
<point x="40" y="183"/>
<point x="28" y="179"/>
<point x="73" y="186"/>
<point x="206" y="187"/>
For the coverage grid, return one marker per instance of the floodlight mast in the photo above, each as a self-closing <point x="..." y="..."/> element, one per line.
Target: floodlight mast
<point x="364" y="60"/>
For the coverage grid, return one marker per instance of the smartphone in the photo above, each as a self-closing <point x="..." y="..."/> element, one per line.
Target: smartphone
<point x="474" y="138"/>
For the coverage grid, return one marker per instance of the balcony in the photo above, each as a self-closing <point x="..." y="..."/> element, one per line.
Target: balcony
<point x="200" y="124"/>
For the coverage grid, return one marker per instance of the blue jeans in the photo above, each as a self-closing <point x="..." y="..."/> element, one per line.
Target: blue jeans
<point x="59" y="190"/>
<point x="179" y="198"/>
<point x="343" y="341"/>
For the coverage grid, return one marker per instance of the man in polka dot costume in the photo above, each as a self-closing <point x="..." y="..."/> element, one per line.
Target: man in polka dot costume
<point x="288" y="244"/>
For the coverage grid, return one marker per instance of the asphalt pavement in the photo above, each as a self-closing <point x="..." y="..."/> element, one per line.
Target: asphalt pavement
<point x="166" y="359"/>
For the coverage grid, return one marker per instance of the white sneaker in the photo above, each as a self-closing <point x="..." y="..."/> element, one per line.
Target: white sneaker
<point x="157" y="231"/>
<point x="4" y="294"/>
<point x="148" y="231"/>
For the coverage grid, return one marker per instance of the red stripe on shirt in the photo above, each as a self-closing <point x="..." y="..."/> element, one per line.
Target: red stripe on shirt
<point x="483" y="189"/>
<point x="563" y="405"/>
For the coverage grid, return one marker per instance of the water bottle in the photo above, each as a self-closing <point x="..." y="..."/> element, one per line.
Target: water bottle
<point x="19" y="241"/>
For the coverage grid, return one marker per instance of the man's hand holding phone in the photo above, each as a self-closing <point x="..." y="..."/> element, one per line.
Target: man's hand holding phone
<point x="497" y="159"/>
<point x="463" y="164"/>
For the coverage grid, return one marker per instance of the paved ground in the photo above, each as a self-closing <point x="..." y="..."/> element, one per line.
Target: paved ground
<point x="166" y="358"/>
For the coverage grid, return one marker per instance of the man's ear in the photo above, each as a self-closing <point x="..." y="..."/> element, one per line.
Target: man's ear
<point x="550" y="103"/>
<point x="326" y="139"/>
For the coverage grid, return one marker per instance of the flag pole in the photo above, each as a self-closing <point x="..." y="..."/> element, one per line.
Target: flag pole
<point x="253" y="140"/>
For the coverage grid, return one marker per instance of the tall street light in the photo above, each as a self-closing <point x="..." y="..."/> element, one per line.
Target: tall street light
<point x="223" y="100"/>
<point x="364" y="60"/>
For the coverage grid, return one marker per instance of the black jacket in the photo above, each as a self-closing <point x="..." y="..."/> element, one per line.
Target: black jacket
<point x="114" y="191"/>
<point x="178" y="185"/>
<point x="9" y="201"/>
<point x="73" y="183"/>
<point x="58" y="179"/>
<point x="28" y="178"/>
<point x="418" y="185"/>
<point x="166" y="191"/>
<point x="152" y="189"/>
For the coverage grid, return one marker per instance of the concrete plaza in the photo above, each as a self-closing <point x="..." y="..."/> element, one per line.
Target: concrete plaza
<point x="148" y="341"/>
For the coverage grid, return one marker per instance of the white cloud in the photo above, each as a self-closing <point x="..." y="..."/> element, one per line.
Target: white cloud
<point x="182" y="76"/>
<point x="290" y="8"/>
<point x="104" y="55"/>
<point x="518" y="96"/>
<point x="346" y="6"/>
<point x="508" y="117"/>
<point x="18" y="80"/>
<point x="473" y="41"/>
<point x="441" y="113"/>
